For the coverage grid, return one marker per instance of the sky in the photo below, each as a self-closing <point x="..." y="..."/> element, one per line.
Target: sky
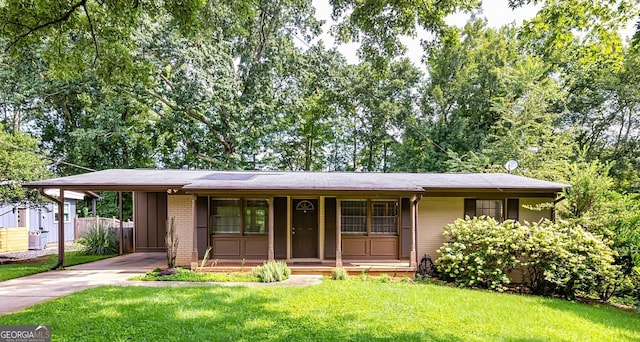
<point x="497" y="13"/>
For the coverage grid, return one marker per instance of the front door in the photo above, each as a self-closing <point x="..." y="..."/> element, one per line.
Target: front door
<point x="304" y="231"/>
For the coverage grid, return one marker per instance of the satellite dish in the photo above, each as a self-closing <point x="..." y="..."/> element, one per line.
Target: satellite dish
<point x="511" y="165"/>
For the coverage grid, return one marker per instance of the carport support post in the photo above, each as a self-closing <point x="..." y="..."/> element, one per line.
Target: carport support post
<point x="121" y="228"/>
<point x="61" y="229"/>
<point x="338" y="233"/>
<point x="271" y="251"/>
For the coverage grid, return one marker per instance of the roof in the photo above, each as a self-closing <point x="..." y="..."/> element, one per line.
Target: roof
<point x="72" y="194"/>
<point x="201" y="180"/>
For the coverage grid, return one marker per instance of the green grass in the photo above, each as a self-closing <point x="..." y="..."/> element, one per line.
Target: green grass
<point x="334" y="311"/>
<point x="44" y="263"/>
<point x="188" y="275"/>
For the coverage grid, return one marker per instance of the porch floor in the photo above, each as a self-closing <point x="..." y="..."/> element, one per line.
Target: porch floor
<point x="392" y="268"/>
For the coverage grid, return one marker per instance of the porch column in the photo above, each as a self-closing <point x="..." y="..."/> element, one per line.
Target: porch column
<point x="270" y="251"/>
<point x="121" y="224"/>
<point x="414" y="222"/>
<point x="194" y="220"/>
<point x="60" y="230"/>
<point x="338" y="233"/>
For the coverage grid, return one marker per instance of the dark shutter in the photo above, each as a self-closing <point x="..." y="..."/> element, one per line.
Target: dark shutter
<point x="405" y="235"/>
<point x="330" y="228"/>
<point x="280" y="227"/>
<point x="202" y="210"/>
<point x="470" y="207"/>
<point x="513" y="207"/>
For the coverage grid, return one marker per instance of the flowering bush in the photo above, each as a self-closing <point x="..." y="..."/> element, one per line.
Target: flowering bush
<point x="564" y="258"/>
<point x="480" y="252"/>
<point x="555" y="258"/>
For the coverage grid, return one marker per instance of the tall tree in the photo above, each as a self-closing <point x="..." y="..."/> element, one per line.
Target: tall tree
<point x="20" y="161"/>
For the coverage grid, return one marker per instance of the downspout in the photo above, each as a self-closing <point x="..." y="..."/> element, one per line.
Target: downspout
<point x="60" y="202"/>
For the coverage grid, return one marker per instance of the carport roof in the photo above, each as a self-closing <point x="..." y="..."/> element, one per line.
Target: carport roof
<point x="207" y="180"/>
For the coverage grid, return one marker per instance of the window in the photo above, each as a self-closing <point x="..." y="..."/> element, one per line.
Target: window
<point x="384" y="219"/>
<point x="238" y="216"/>
<point x="484" y="207"/>
<point x="256" y="216"/>
<point x="353" y="216"/>
<point x="374" y="217"/>
<point x="67" y="212"/>
<point x="225" y="215"/>
<point x="491" y="208"/>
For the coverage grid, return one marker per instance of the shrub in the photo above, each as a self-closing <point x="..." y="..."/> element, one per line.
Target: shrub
<point x="339" y="274"/>
<point x="564" y="258"/>
<point x="480" y="253"/>
<point x="557" y="259"/>
<point x="99" y="240"/>
<point x="272" y="271"/>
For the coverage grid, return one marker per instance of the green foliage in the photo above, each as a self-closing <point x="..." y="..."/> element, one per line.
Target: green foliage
<point x="556" y="258"/>
<point x="188" y="275"/>
<point x="331" y="311"/>
<point x="480" y="253"/>
<point x="378" y="25"/>
<point x="564" y="258"/>
<point x="590" y="185"/>
<point x="99" y="240"/>
<point x="339" y="274"/>
<point x="20" y="161"/>
<point x="272" y="271"/>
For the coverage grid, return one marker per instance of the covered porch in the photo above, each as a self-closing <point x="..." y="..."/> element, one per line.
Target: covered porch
<point x="308" y="231"/>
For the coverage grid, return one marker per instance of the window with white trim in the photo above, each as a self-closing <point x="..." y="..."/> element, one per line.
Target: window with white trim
<point x="67" y="212"/>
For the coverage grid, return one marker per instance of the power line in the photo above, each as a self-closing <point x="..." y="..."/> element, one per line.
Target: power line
<point x="46" y="157"/>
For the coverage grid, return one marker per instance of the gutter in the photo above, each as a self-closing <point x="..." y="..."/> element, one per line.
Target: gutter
<point x="60" y="203"/>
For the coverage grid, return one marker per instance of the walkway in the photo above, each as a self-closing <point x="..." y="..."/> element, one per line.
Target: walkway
<point x="20" y="293"/>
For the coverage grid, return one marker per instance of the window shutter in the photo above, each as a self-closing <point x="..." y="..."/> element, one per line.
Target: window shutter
<point x="513" y="207"/>
<point x="470" y="207"/>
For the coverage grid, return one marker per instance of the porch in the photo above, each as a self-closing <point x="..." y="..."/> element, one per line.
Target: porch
<point x="392" y="268"/>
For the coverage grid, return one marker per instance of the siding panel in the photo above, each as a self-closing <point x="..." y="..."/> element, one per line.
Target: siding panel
<point x="531" y="215"/>
<point x="433" y="214"/>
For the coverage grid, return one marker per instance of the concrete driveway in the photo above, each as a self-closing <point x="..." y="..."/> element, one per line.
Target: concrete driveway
<point x="17" y="294"/>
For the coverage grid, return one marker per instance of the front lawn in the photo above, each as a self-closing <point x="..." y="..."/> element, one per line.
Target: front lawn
<point x="333" y="311"/>
<point x="44" y="263"/>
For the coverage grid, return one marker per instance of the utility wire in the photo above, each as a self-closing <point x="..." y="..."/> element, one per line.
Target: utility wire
<point x="5" y="143"/>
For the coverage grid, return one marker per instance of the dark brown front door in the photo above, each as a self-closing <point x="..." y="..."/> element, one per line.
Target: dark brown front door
<point x="304" y="232"/>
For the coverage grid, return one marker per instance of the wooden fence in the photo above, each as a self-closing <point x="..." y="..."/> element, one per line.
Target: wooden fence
<point x="84" y="224"/>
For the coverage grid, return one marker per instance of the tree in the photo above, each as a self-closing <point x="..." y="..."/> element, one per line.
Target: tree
<point x="20" y="161"/>
<point x="377" y="25"/>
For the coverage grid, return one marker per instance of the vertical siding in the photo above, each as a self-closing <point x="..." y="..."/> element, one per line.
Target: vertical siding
<point x="180" y="208"/>
<point x="531" y="215"/>
<point x="433" y="214"/>
<point x="330" y="228"/>
<point x="7" y="217"/>
<point x="280" y="227"/>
